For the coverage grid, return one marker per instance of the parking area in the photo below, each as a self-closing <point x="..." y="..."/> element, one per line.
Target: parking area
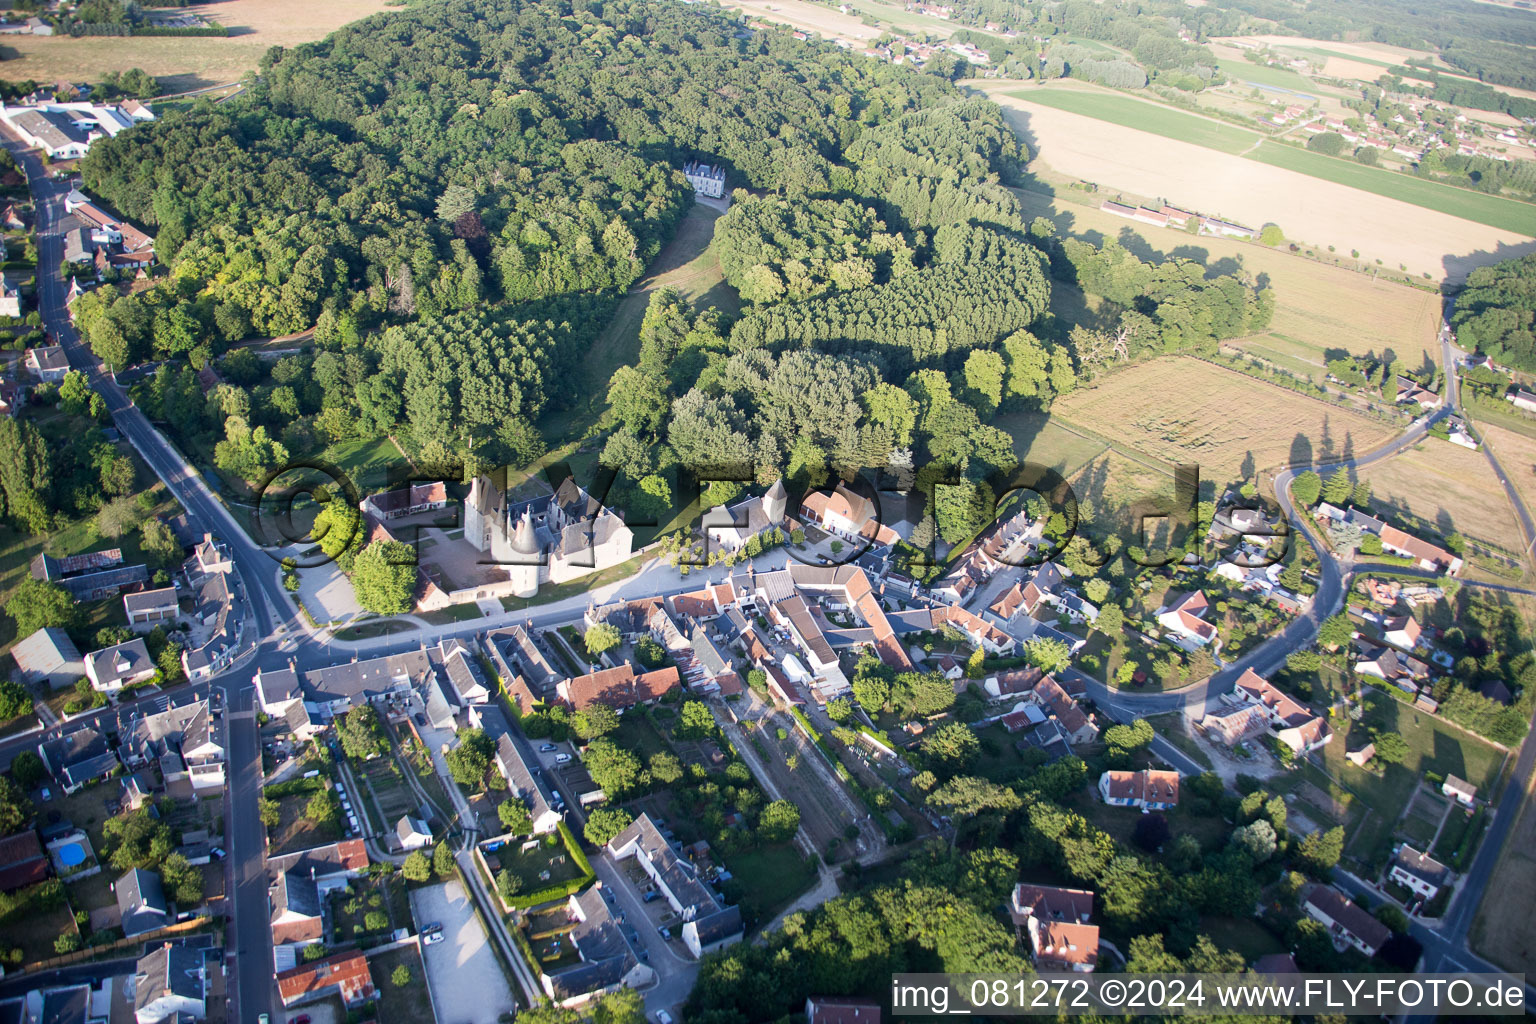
<point x="466" y="980"/>
<point x="675" y="969"/>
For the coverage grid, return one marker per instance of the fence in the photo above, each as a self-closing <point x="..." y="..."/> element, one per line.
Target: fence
<point x="95" y="952"/>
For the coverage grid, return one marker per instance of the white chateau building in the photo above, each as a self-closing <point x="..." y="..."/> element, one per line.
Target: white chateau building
<point x="551" y="539"/>
<point x="706" y="179"/>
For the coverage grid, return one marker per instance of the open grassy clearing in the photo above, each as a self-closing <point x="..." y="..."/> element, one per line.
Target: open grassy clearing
<point x="1276" y="78"/>
<point x="187" y="63"/>
<point x="1041" y="440"/>
<point x="1180" y="410"/>
<point x="1432" y="195"/>
<point x="1320" y="307"/>
<point x="1310" y="210"/>
<point x="401" y="1004"/>
<point x="1447" y="485"/>
<point x="1118" y="108"/>
<point x="687" y="264"/>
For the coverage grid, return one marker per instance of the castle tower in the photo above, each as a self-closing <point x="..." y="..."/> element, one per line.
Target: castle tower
<point x="775" y="502"/>
<point x="524" y="564"/>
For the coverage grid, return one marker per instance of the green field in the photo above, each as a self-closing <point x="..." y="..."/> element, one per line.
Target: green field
<point x="1474" y="206"/>
<point x="1148" y="117"/>
<point x="1261" y="74"/>
<point x="1318" y="51"/>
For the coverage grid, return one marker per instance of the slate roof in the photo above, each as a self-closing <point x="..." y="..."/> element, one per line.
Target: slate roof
<point x="141" y="901"/>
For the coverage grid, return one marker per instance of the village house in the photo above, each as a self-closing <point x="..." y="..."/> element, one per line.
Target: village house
<point x="1460" y="790"/>
<point x="608" y="961"/>
<point x="1349" y="924"/>
<point x="48" y="655"/>
<point x="1254" y="704"/>
<point x="823" y="1010"/>
<point x="524" y="785"/>
<point x="113" y="668"/>
<point x="412" y="833"/>
<point x="141" y="902"/>
<point x="619" y="687"/>
<point x="169" y="982"/>
<point x="1149" y="789"/>
<point x="345" y="974"/>
<point x="78" y="757"/>
<point x="1056" y="920"/>
<point x="847" y="514"/>
<point x="1182" y="615"/>
<point x="708" y="923"/>
<point x="1418" y="872"/>
<point x="182" y="741"/>
<point x="149" y="608"/>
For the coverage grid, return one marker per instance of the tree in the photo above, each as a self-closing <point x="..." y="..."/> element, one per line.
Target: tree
<point x="1306" y="488"/>
<point x="470" y="759"/>
<point x="1096" y="590"/>
<point x="159" y="544"/>
<point x="401" y="976"/>
<point x="1391" y="915"/>
<point x="594" y="720"/>
<point x="15" y="701"/>
<point x="1047" y="654"/>
<point x="1391" y="748"/>
<point x="1362" y="494"/>
<point x="695" y="721"/>
<point x="15" y="809"/>
<point x="508" y="885"/>
<point x="323" y="809"/>
<point x="839" y="709"/>
<point x="615" y="770"/>
<point x="442" y="861"/>
<point x="650" y="653"/>
<point x="1271" y="235"/>
<point x="951" y="748"/>
<point x="1335" y="631"/>
<point x="141" y="840"/>
<point x="605" y="823"/>
<point x="602" y="637"/>
<point x="1110" y="621"/>
<point x="27" y="769"/>
<point x="384" y="577"/>
<point x="1257" y="839"/>
<point x="665" y="767"/>
<point x="361" y="734"/>
<point x="964" y="796"/>
<point x="515" y="817"/>
<point x="37" y="604"/>
<point x="182" y="881"/>
<point x="1338" y="488"/>
<point x="1331" y="143"/>
<point x="417" y="868"/>
<point x="1151" y="832"/>
<point x="270" y="812"/>
<point x="779" y="821"/>
<point x="1320" y="851"/>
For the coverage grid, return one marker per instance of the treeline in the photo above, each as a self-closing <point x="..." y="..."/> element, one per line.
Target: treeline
<point x="1496" y="312"/>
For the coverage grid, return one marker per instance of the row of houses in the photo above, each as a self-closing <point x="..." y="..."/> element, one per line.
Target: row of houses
<point x="1425" y="555"/>
<point x="184" y="742"/>
<point x="1255" y="706"/>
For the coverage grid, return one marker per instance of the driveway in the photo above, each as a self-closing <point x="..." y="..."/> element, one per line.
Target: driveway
<point x="463" y="975"/>
<point x="675" y="969"/>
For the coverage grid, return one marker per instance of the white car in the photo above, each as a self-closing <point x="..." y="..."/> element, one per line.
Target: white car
<point x="431" y="938"/>
<point x="663" y="1017"/>
<point x="562" y="758"/>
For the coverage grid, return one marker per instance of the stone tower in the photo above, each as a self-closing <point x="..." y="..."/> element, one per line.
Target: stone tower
<point x="523" y="565"/>
<point x="775" y="502"/>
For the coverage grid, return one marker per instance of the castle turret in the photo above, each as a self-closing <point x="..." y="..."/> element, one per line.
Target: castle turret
<point x="775" y="502"/>
<point x="523" y="567"/>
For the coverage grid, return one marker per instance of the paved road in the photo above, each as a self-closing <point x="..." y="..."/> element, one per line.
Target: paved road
<point x="1451" y="354"/>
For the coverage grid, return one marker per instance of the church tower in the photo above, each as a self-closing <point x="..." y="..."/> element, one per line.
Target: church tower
<point x="775" y="502"/>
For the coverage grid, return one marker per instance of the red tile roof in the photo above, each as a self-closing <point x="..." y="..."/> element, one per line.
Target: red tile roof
<point x="346" y="971"/>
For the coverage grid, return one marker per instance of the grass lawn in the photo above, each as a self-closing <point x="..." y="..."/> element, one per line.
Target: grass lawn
<point x="410" y="1003"/>
<point x="636" y="734"/>
<point x="368" y="464"/>
<point x="1261" y="74"/>
<point x="533" y="865"/>
<point x="34" y="931"/>
<point x="1432" y="746"/>
<point x="592" y="581"/>
<point x="453" y="613"/>
<point x="294" y="831"/>
<point x="1243" y="934"/>
<point x="375" y="628"/>
<point x="1147" y="117"/>
<point x="767" y="879"/>
<point x="1494" y="211"/>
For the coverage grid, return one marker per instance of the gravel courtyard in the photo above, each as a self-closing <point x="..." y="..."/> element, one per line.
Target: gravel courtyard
<point x="467" y="983"/>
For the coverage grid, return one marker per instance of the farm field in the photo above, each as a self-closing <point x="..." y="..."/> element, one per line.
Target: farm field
<point x="187" y="63"/>
<point x="1040" y="440"/>
<point x="1117" y="108"/>
<point x="829" y="21"/>
<point x="1517" y="454"/>
<point x="1504" y="930"/>
<point x="1276" y="78"/>
<point x="1318" y="306"/>
<point x="1448" y="486"/>
<point x="1181" y="410"/>
<point x="1458" y="202"/>
<point x="1307" y="209"/>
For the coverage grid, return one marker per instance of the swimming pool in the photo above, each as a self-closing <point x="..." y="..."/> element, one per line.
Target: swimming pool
<point x="71" y="855"/>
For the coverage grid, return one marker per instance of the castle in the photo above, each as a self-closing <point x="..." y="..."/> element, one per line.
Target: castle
<point x="551" y="539"/>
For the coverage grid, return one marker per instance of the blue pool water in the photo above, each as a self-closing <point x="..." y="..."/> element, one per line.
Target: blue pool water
<point x="71" y="855"/>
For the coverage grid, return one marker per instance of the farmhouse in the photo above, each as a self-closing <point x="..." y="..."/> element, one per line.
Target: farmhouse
<point x="1057" y="923"/>
<point x="1410" y="390"/>
<point x="1349" y="924"/>
<point x="1426" y="555"/>
<point x="1418" y="872"/>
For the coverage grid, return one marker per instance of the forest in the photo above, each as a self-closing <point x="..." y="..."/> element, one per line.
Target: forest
<point x="1496" y="312"/>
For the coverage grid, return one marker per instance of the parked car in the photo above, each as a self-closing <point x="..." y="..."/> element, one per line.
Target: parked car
<point x="664" y="932"/>
<point x="663" y="1017"/>
<point x="562" y="759"/>
<point x="547" y="747"/>
<point x="652" y="895"/>
<point x="217" y="853"/>
<point x="47" y="793"/>
<point x="263" y="1019"/>
<point x="421" y="719"/>
<point x="432" y="935"/>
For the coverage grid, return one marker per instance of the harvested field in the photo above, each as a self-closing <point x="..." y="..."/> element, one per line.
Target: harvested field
<point x="187" y="63"/>
<point x="1517" y="454"/>
<point x="1181" y="410"/>
<point x="1129" y="112"/>
<point x="1448" y="486"/>
<point x="1308" y="209"/>
<point x="829" y="21"/>
<point x="1504" y="930"/>
<point x="1319" y="306"/>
